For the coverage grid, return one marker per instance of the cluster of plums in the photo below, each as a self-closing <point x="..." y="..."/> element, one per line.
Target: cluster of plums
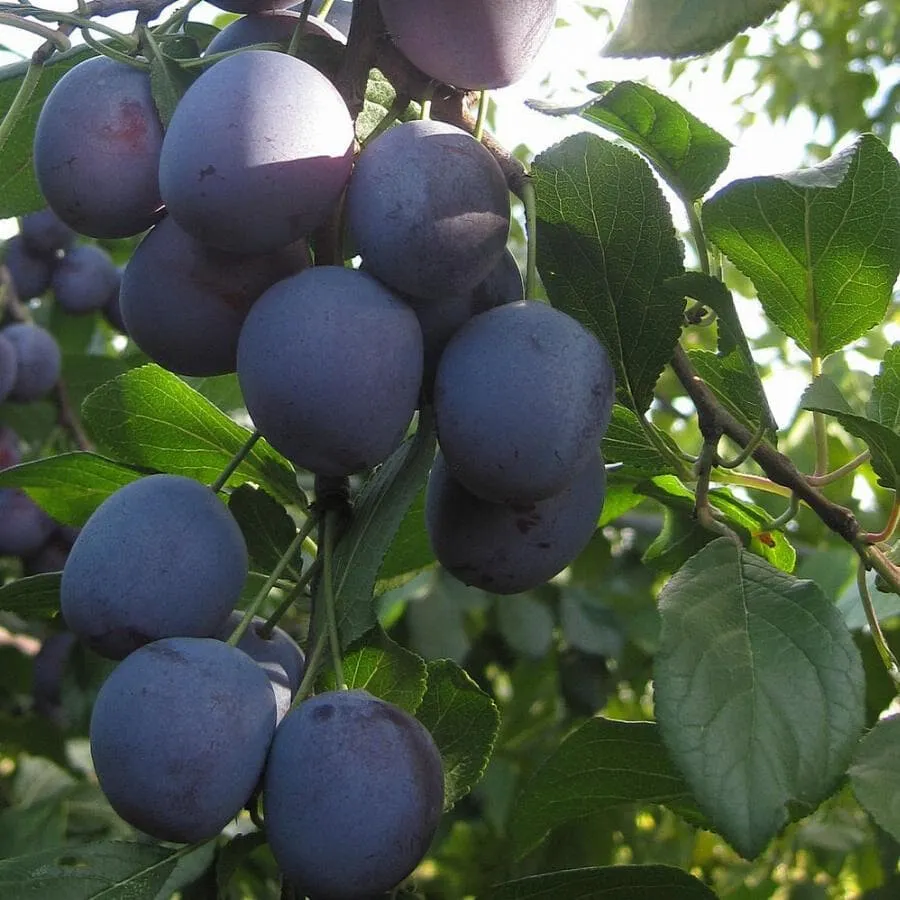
<point x="44" y="256"/>
<point x="333" y="362"/>
<point x="187" y="726"/>
<point x="83" y="278"/>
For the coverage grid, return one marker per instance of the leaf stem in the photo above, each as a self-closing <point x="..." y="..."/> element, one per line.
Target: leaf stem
<point x="478" y="134"/>
<point x="57" y="38"/>
<point x="665" y="451"/>
<point x="269" y="583"/>
<point x="788" y="515"/>
<point x="313" y="661"/>
<point x="884" y="651"/>
<point x="529" y="199"/>
<point x="747" y="452"/>
<point x="697" y="234"/>
<point x="20" y="101"/>
<point x="752" y="482"/>
<point x="397" y="108"/>
<point x="819" y="426"/>
<point x="887" y="532"/>
<point x="176" y="19"/>
<point x="312" y="570"/>
<point x="877" y="559"/>
<point x="702" y="508"/>
<point x="236" y="460"/>
<point x="331" y="527"/>
<point x="837" y="474"/>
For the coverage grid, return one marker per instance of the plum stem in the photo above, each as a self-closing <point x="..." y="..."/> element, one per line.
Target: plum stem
<point x="313" y="660"/>
<point x="269" y="583"/>
<point x="235" y="461"/>
<point x="265" y="631"/>
<point x="299" y="30"/>
<point x="332" y="523"/>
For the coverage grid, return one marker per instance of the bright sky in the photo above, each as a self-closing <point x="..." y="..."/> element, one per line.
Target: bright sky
<point x="570" y="60"/>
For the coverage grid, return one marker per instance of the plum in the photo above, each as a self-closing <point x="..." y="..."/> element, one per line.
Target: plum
<point x="522" y="397"/>
<point x="183" y="303"/>
<point x="509" y="548"/>
<point x="45" y="234"/>
<point x="353" y="793"/>
<point x="472" y="44"/>
<point x="278" y="655"/>
<point x="273" y="27"/>
<point x="160" y="557"/>
<point x="85" y="279"/>
<point x="30" y="274"/>
<point x="179" y="735"/>
<point x="428" y="209"/>
<point x="39" y="360"/>
<point x="97" y="148"/>
<point x="271" y="160"/>
<point x="330" y="365"/>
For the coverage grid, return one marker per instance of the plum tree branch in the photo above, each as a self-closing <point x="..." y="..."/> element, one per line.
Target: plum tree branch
<point x="713" y="418"/>
<point x="67" y="417"/>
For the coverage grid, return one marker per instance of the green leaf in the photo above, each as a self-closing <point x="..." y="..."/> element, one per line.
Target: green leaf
<point x="38" y="826"/>
<point x="189" y="868"/>
<point x="759" y="692"/>
<point x="233" y="854"/>
<point x="621" y="497"/>
<point x="35" y="597"/>
<point x="603" y="764"/>
<point x="739" y="391"/>
<point x="150" y="417"/>
<point x="168" y="83"/>
<point x="463" y="721"/>
<point x="747" y="519"/>
<point x="680" y="538"/>
<point x="884" y="404"/>
<point x="651" y="882"/>
<point x="410" y="549"/>
<point x="107" y="870"/>
<point x="377" y="515"/>
<point x="875" y="774"/>
<point x="820" y="245"/>
<point x="883" y="442"/>
<point x="737" y="370"/>
<point x="627" y="442"/>
<point x="675" y="28"/>
<point x="380" y="99"/>
<point x="19" y="192"/>
<point x="606" y="243"/>
<point x="71" y="486"/>
<point x="202" y="33"/>
<point x="265" y="523"/>
<point x="688" y="154"/>
<point x="383" y="668"/>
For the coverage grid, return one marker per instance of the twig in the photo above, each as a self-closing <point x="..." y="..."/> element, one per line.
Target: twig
<point x="777" y="466"/>
<point x="68" y="419"/>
